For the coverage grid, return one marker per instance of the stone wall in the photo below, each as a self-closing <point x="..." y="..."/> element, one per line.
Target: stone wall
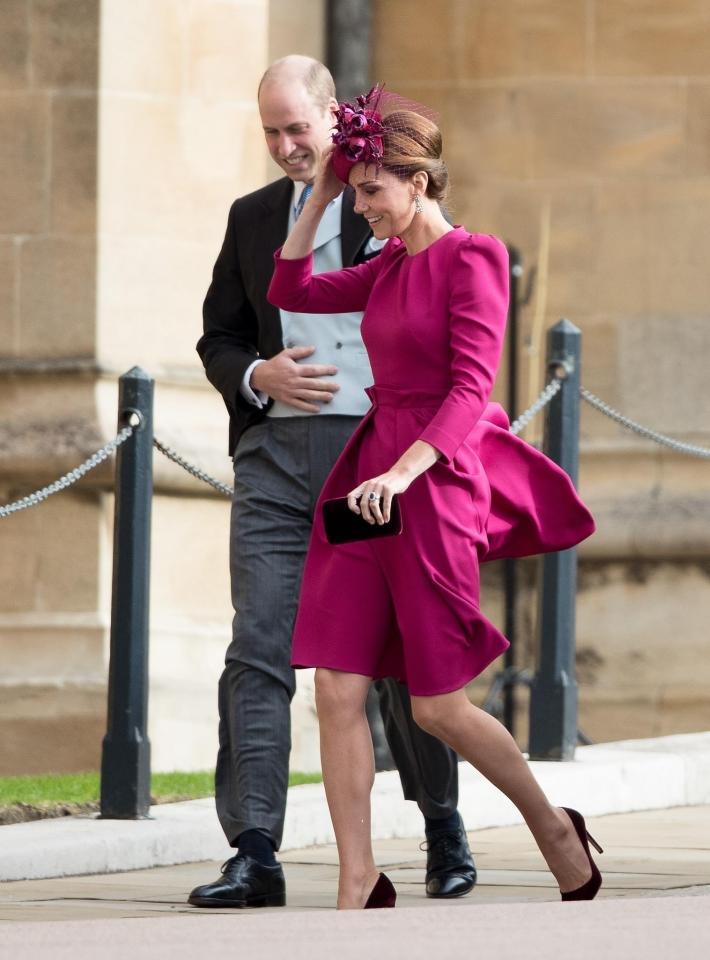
<point x="48" y="110"/>
<point x="579" y="130"/>
<point x="128" y="128"/>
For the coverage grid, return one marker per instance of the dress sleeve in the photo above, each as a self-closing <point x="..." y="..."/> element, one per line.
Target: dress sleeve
<point x="294" y="287"/>
<point x="478" y="306"/>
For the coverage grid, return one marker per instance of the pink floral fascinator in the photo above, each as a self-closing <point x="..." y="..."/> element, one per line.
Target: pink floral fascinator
<point x="360" y="128"/>
<point x="358" y="133"/>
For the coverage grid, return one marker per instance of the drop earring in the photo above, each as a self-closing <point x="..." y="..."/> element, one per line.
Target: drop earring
<point x="418" y="205"/>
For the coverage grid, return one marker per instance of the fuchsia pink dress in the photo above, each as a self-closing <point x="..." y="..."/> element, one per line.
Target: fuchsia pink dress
<point x="408" y="606"/>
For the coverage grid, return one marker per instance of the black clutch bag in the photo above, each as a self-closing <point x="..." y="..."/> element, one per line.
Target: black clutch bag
<point x="344" y="526"/>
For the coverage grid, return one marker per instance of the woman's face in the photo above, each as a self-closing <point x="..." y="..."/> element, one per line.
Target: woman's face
<point x="385" y="200"/>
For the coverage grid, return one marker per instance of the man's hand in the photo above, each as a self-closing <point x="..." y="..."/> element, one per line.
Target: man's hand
<point x="296" y="384"/>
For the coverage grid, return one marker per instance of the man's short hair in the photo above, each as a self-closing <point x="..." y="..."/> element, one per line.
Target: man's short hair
<point x="314" y="75"/>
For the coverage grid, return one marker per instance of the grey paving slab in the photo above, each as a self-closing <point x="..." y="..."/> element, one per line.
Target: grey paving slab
<point x="612" y="928"/>
<point x="662" y="854"/>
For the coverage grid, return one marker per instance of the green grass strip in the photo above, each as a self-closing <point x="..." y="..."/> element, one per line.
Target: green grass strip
<point x="85" y="787"/>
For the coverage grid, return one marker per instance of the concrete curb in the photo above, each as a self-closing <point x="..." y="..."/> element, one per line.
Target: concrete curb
<point x="606" y="778"/>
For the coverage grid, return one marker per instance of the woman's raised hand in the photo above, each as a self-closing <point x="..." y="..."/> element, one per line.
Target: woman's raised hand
<point x="326" y="186"/>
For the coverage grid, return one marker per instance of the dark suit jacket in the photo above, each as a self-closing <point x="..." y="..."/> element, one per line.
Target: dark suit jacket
<point x="239" y="323"/>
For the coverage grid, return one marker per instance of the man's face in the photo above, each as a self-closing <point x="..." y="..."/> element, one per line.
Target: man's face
<point x="297" y="130"/>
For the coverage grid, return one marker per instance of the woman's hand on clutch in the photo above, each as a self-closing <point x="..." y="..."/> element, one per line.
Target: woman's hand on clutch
<point x="373" y="498"/>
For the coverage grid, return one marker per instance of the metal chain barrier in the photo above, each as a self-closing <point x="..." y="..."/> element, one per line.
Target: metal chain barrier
<point x="69" y="478"/>
<point x="690" y="448"/>
<point x="550" y="391"/>
<point x="191" y="468"/>
<point x="516" y="427"/>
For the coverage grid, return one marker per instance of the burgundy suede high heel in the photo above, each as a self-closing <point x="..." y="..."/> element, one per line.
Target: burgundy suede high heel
<point x="588" y="890"/>
<point x="383" y="894"/>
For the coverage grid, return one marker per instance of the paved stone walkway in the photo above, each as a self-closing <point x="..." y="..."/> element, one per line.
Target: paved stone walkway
<point x="660" y="853"/>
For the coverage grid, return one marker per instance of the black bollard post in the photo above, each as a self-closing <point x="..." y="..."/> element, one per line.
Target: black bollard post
<point x="553" y="698"/>
<point x="125" y="761"/>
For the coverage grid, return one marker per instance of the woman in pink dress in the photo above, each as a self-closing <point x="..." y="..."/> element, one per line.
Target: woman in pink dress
<point x="435" y="303"/>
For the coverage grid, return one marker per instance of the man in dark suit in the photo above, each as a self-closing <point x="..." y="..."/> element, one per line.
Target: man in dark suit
<point x="293" y="387"/>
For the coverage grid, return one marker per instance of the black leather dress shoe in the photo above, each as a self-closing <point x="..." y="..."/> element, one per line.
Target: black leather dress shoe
<point x="450" y="870"/>
<point x="244" y="883"/>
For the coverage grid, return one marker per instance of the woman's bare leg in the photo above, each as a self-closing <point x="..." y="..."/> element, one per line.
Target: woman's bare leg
<point x="348" y="764"/>
<point x="488" y="746"/>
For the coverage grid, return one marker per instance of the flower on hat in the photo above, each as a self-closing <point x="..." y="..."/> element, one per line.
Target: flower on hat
<point x="358" y="134"/>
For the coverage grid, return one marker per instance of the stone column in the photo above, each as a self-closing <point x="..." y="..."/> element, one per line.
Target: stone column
<point x="128" y="129"/>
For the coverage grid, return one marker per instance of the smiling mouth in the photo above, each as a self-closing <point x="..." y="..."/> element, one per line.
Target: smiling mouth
<point x="293" y="161"/>
<point x="372" y="220"/>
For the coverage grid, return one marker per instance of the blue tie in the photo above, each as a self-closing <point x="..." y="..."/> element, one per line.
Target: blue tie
<point x="307" y="190"/>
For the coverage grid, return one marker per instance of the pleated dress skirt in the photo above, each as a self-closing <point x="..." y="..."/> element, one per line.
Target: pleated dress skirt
<point x="407" y="606"/>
